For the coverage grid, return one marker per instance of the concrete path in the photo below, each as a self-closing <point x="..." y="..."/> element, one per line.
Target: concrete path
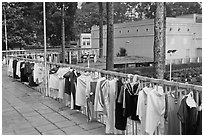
<point x="26" y="112"/>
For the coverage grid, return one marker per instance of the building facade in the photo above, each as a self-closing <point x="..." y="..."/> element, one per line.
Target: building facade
<point x="183" y="34"/>
<point x="85" y="41"/>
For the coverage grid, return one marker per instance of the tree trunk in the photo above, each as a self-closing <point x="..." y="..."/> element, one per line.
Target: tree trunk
<point x="63" y="35"/>
<point x="109" y="49"/>
<point x="100" y="29"/>
<point x="160" y="40"/>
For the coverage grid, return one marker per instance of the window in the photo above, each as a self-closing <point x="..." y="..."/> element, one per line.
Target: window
<point x="188" y="29"/>
<point x="84" y="43"/>
<point x="120" y="31"/>
<point x="128" y="30"/>
<point x="147" y="29"/>
<point x="88" y="42"/>
<point x="179" y="29"/>
<point x="137" y="30"/>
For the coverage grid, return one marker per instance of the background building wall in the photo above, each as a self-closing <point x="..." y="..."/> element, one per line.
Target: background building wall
<point x="182" y="34"/>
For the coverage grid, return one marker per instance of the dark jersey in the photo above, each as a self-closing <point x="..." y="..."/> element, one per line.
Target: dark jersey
<point x="131" y="98"/>
<point x="120" y="119"/>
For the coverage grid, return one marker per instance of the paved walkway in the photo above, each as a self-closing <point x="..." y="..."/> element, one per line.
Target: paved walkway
<point x="26" y="112"/>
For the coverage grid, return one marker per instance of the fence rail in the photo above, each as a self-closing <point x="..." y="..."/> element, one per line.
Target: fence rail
<point x="118" y="74"/>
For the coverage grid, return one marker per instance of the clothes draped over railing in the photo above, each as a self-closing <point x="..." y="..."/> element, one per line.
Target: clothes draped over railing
<point x="125" y="103"/>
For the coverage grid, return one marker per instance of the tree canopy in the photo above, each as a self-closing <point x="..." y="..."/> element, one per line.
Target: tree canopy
<point x="25" y="19"/>
<point x="88" y="15"/>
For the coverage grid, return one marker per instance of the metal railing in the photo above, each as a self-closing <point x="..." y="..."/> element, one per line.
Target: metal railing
<point x="168" y="86"/>
<point x="184" y="60"/>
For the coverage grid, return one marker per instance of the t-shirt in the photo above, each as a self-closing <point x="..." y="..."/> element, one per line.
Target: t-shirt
<point x="188" y="118"/>
<point x="53" y="81"/>
<point x="23" y="77"/>
<point x="61" y="80"/>
<point x="131" y="98"/>
<point x="173" y="107"/>
<point x="10" y="68"/>
<point x="67" y="83"/>
<point x="109" y="98"/>
<point x="14" y="68"/>
<point x="120" y="119"/>
<point x="81" y="89"/>
<point x="155" y="110"/>
<point x="73" y="86"/>
<point x="142" y="107"/>
<point x="99" y="102"/>
<point x="38" y="73"/>
<point x="18" y="72"/>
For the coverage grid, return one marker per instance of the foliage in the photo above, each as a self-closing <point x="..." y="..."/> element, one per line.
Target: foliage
<point x="25" y="23"/>
<point x="25" y="19"/>
<point x="88" y="15"/>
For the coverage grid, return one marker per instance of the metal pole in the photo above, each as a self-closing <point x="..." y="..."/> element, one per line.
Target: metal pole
<point x="63" y="35"/>
<point x="70" y="57"/>
<point x="6" y="37"/>
<point x="45" y="50"/>
<point x="170" y="68"/>
<point x="100" y="29"/>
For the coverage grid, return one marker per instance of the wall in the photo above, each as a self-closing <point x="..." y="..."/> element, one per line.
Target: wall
<point x="137" y="38"/>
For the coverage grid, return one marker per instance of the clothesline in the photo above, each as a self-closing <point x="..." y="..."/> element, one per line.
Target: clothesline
<point x="118" y="74"/>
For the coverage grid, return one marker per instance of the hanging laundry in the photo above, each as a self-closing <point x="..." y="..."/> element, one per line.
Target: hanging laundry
<point x="155" y="110"/>
<point x="90" y="95"/>
<point x="82" y="82"/>
<point x="99" y="103"/>
<point x="151" y="109"/>
<point x="10" y="68"/>
<point x="188" y="117"/>
<point x="73" y="86"/>
<point x="61" y="80"/>
<point x="38" y="73"/>
<point x="109" y="99"/>
<point x="18" y="72"/>
<point x="131" y="99"/>
<point x="120" y="119"/>
<point x="14" y="69"/>
<point x="173" y="107"/>
<point x="23" y="76"/>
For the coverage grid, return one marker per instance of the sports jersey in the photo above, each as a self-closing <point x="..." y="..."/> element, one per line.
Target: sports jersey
<point x="131" y="98"/>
